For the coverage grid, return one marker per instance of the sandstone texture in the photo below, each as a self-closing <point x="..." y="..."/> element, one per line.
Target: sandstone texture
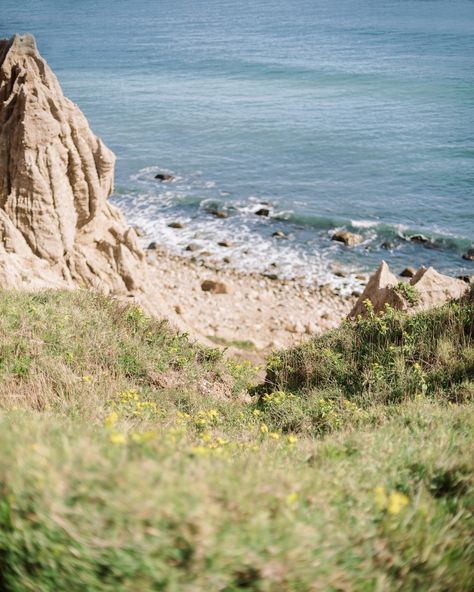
<point x="57" y="228"/>
<point x="426" y="289"/>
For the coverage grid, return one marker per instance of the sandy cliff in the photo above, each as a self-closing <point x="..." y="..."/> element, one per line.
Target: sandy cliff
<point x="56" y="227"/>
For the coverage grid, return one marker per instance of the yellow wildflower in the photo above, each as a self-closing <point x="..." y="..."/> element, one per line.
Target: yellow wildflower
<point x="256" y="412"/>
<point x="264" y="428"/>
<point x="397" y="502"/>
<point x="292" y="498"/>
<point x="292" y="439"/>
<point x="274" y="435"/>
<point x="140" y="437"/>
<point x="117" y="438"/>
<point x="87" y="378"/>
<point x="199" y="450"/>
<point x="111" y="419"/>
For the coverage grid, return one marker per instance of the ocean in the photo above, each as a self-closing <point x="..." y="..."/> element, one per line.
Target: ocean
<point x="354" y="115"/>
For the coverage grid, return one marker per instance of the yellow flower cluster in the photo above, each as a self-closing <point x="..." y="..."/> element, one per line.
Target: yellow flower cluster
<point x="208" y="445"/>
<point x="130" y="404"/>
<point x="204" y="419"/>
<point x="392" y="503"/>
<point x="278" y="397"/>
<point x="141" y="437"/>
<point x="118" y="438"/>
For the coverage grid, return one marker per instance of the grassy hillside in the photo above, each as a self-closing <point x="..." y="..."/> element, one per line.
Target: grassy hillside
<point x="133" y="460"/>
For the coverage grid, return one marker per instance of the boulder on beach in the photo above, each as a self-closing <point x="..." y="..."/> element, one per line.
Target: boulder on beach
<point x="262" y="212"/>
<point x="214" y="287"/>
<point x="350" y="239"/>
<point x="426" y="289"/>
<point x="57" y="228"/>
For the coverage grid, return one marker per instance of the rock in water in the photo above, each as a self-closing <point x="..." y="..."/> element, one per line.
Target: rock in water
<point x="164" y="177"/>
<point x="469" y="255"/>
<point x="56" y="227"/>
<point x="348" y="238"/>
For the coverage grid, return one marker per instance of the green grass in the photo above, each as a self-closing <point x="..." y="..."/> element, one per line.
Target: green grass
<point x="244" y="344"/>
<point x="408" y="292"/>
<point x="385" y="358"/>
<point x="134" y="460"/>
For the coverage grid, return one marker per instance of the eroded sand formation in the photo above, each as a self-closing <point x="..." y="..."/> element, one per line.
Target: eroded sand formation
<point x="56" y="227"/>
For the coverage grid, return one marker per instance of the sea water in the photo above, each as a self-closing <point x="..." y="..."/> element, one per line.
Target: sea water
<point x="348" y="114"/>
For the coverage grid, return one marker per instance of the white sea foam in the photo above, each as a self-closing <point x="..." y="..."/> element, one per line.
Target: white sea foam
<point x="364" y="223"/>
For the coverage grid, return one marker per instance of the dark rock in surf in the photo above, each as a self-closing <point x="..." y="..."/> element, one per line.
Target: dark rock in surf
<point x="469" y="255"/>
<point x="164" y="177"/>
<point x="219" y="213"/>
<point x="419" y="238"/>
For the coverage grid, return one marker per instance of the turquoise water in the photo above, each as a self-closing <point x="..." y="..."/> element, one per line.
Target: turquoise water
<point x="349" y="114"/>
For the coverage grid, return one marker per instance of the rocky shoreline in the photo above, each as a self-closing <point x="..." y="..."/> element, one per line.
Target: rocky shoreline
<point x="247" y="313"/>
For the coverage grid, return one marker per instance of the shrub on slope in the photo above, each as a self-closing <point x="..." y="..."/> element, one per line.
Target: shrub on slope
<point x="386" y="358"/>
